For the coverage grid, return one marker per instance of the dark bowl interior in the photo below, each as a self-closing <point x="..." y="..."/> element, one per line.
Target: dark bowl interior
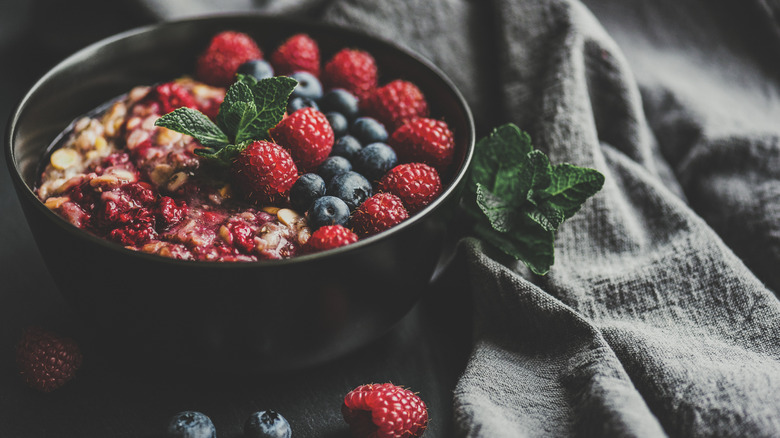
<point x="268" y="315"/>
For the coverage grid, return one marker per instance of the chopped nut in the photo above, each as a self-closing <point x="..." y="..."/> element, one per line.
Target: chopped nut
<point x="107" y="180"/>
<point x="303" y="235"/>
<point x="161" y="173"/>
<point x="271" y="210"/>
<point x="287" y="216"/>
<point x="167" y="136"/>
<point x="124" y="175"/>
<point x="54" y="203"/>
<point x="64" y="158"/>
<point x="100" y="143"/>
<point x="226" y="191"/>
<point x="177" y="180"/>
<point x="224" y="233"/>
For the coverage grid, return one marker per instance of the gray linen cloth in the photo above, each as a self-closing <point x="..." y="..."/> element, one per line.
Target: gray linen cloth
<point x="659" y="316"/>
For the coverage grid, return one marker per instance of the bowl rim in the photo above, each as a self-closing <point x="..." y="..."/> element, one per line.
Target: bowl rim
<point x="304" y="23"/>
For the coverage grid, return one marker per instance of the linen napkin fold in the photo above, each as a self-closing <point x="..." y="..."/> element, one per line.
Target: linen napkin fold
<point x="658" y="317"/>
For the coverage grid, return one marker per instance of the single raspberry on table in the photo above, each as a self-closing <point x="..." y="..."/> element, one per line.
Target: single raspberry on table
<point x="425" y="140"/>
<point x="329" y="237"/>
<point x="353" y="70"/>
<point x="384" y="411"/>
<point x="217" y="65"/>
<point x="298" y="53"/>
<point x="417" y="184"/>
<point x="264" y="172"/>
<point x="395" y="103"/>
<point x="46" y="361"/>
<point x="378" y="213"/>
<point x="308" y="136"/>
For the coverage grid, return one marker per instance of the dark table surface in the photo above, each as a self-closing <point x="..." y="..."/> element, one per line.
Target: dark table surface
<point x="425" y="352"/>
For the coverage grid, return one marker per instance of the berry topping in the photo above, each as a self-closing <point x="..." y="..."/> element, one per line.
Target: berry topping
<point x="396" y="103"/>
<point x="264" y="172"/>
<point x="170" y="212"/>
<point x="347" y="147"/>
<point x="375" y="160"/>
<point x="308" y="136"/>
<point x="368" y="130"/>
<point x="171" y="95"/>
<point x="297" y="53"/>
<point x="417" y="184"/>
<point x="45" y="360"/>
<point x="267" y="424"/>
<point x="330" y="236"/>
<point x="424" y="140"/>
<point x="338" y="122"/>
<point x="384" y="411"/>
<point x="351" y="187"/>
<point x="341" y="101"/>
<point x="217" y="65"/>
<point x="191" y="424"/>
<point x="352" y="70"/>
<point x="308" y="85"/>
<point x="328" y="210"/>
<point x="332" y="166"/>
<point x="378" y="213"/>
<point x="257" y="68"/>
<point x="306" y="189"/>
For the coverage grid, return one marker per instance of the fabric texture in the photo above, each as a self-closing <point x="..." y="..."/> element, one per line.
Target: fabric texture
<point x="660" y="315"/>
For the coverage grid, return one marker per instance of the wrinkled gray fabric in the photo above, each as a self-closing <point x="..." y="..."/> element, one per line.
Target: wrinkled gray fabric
<point x="659" y="316"/>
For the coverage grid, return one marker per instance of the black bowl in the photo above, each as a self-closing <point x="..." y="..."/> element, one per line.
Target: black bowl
<point x="269" y="315"/>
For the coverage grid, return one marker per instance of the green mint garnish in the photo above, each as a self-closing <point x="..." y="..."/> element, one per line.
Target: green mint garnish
<point x="519" y="199"/>
<point x="250" y="109"/>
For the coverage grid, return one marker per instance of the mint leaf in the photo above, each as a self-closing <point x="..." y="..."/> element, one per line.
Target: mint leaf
<point x="237" y="112"/>
<point x="270" y="98"/>
<point x="222" y="157"/>
<point x="198" y="125"/>
<point x="571" y="186"/>
<point x="520" y="200"/>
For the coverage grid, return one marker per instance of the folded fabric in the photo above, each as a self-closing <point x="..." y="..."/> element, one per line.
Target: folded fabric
<point x="658" y="316"/>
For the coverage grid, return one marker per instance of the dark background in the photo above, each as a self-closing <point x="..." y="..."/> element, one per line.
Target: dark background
<point x="425" y="352"/>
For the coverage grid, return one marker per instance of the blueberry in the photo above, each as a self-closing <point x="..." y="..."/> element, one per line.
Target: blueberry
<point x="368" y="130"/>
<point x="333" y="166"/>
<point x="297" y="103"/>
<point x="347" y="147"/>
<point x="308" y="85"/>
<point x="191" y="424"/>
<point x="257" y="68"/>
<point x="375" y="160"/>
<point x="267" y="424"/>
<point x="340" y="101"/>
<point x="351" y="187"/>
<point x="338" y="122"/>
<point x="328" y="210"/>
<point x="306" y="189"/>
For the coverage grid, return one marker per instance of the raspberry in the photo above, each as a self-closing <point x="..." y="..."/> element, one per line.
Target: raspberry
<point x="384" y="411"/>
<point x="297" y="53"/>
<point x="138" y="228"/>
<point x="378" y="213"/>
<point x="308" y="136"/>
<point x="396" y="103"/>
<point x="171" y="96"/>
<point x="352" y="70"/>
<point x="217" y="65"/>
<point x="45" y="360"/>
<point x="169" y="212"/>
<point x="330" y="236"/>
<point x="264" y="172"/>
<point x="424" y="140"/>
<point x="242" y="235"/>
<point x="417" y="184"/>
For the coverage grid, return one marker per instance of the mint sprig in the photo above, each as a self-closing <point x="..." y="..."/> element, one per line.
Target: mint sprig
<point x="250" y="109"/>
<point x="520" y="200"/>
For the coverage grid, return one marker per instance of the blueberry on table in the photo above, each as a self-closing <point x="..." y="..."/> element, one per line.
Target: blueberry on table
<point x="328" y="210"/>
<point x="374" y="160"/>
<point x="297" y="103"/>
<point x="347" y="147"/>
<point x="351" y="187"/>
<point x="368" y="130"/>
<point x="305" y="190"/>
<point x="338" y="122"/>
<point x="191" y="424"/>
<point x="256" y="68"/>
<point x="267" y="424"/>
<point x="341" y="101"/>
<point x="308" y="85"/>
<point x="333" y="166"/>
